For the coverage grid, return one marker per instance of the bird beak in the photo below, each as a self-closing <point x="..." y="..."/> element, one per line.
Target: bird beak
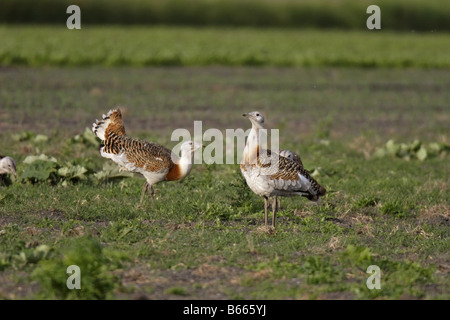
<point x="246" y="115"/>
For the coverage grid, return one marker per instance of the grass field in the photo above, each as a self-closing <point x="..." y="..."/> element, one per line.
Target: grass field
<point x="203" y="237"/>
<point x="180" y="46"/>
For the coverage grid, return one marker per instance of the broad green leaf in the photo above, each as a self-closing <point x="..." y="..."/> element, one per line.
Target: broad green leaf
<point x="40" y="138"/>
<point x="392" y="148"/>
<point x="111" y="171"/>
<point x="70" y="171"/>
<point x="415" y="145"/>
<point x="42" y="157"/>
<point x="23" y="136"/>
<point x="422" y="154"/>
<point x="380" y="153"/>
<point x="90" y="137"/>
<point x="39" y="170"/>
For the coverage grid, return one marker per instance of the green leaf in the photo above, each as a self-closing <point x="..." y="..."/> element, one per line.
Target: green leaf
<point x="380" y="153"/>
<point x="422" y="154"/>
<point x="111" y="171"/>
<point x="71" y="172"/>
<point x="42" y="157"/>
<point x="39" y="170"/>
<point x="90" y="137"/>
<point x="403" y="150"/>
<point x="23" y="136"/>
<point x="38" y="253"/>
<point x="87" y="137"/>
<point x="392" y="148"/>
<point x="315" y="174"/>
<point x="415" y="145"/>
<point x="40" y="138"/>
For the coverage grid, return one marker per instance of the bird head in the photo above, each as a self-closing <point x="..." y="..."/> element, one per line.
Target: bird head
<point x="8" y="165"/>
<point x="287" y="154"/>
<point x="190" y="147"/>
<point x="255" y="117"/>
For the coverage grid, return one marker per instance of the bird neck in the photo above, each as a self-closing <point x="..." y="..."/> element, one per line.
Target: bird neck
<point x="252" y="146"/>
<point x="185" y="163"/>
<point x="182" y="166"/>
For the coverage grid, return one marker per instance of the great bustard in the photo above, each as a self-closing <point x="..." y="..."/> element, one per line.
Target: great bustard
<point x="269" y="175"/>
<point x="155" y="162"/>
<point x="7" y="165"/>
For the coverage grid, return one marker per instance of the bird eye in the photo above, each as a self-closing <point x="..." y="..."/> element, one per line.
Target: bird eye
<point x="257" y="114"/>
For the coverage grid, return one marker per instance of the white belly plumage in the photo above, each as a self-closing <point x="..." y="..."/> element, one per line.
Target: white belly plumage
<point x="122" y="160"/>
<point x="257" y="183"/>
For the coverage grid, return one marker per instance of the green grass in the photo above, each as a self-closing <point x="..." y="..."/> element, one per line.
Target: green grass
<point x="203" y="237"/>
<point x="175" y="46"/>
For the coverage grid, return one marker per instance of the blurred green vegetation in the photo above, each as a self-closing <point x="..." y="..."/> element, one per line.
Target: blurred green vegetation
<point x="187" y="46"/>
<point x="409" y="15"/>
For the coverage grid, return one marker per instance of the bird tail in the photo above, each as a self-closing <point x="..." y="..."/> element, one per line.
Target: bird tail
<point x="111" y="123"/>
<point x="322" y="191"/>
<point x="316" y="197"/>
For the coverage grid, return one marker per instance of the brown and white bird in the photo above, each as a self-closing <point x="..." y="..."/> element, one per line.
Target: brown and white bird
<point x="7" y="165"/>
<point x="269" y="175"/>
<point x="155" y="162"/>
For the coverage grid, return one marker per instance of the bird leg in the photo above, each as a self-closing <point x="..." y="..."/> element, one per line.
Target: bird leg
<point x="144" y="189"/>
<point x="147" y="187"/>
<point x="151" y="191"/>
<point x="266" y="207"/>
<point x="274" y="210"/>
<point x="279" y="203"/>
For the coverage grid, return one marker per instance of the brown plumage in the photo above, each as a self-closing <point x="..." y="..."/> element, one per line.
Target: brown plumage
<point x="270" y="175"/>
<point x="154" y="161"/>
<point x="290" y="170"/>
<point x="292" y="156"/>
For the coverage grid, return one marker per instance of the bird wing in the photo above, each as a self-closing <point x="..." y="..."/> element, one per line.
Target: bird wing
<point x="138" y="155"/>
<point x="286" y="175"/>
<point x="297" y="159"/>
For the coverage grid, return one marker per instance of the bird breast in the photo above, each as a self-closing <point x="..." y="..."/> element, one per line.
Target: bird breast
<point x="257" y="182"/>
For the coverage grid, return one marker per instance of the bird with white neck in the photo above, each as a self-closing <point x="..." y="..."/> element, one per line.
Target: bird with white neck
<point x="154" y="161"/>
<point x="269" y="175"/>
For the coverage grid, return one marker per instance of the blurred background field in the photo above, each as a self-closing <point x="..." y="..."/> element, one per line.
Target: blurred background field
<point x="368" y="111"/>
<point x="225" y="32"/>
<point x="405" y="15"/>
<point x="187" y="46"/>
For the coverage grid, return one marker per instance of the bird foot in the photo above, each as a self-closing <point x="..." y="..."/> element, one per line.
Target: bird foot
<point x="269" y="230"/>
